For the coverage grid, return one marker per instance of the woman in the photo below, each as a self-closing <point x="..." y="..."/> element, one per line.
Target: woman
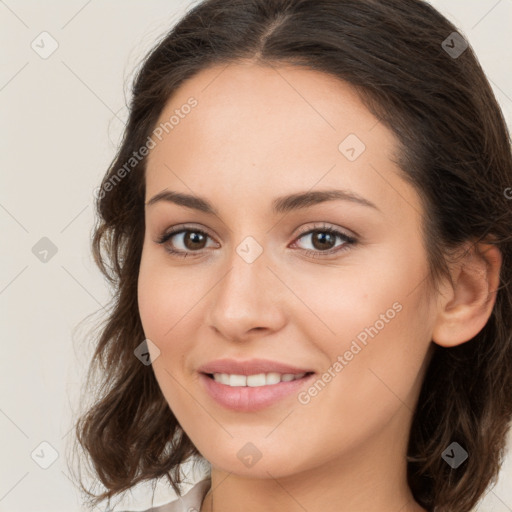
<point x="307" y="226"/>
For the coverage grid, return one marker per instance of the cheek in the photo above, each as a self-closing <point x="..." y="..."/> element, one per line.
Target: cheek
<point x="379" y="323"/>
<point x="165" y="295"/>
<point x="386" y="370"/>
<point x="151" y="303"/>
<point x="367" y="289"/>
<point x="170" y="299"/>
<point x="163" y="315"/>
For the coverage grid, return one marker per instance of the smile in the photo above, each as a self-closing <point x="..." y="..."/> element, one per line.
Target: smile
<point x="250" y="393"/>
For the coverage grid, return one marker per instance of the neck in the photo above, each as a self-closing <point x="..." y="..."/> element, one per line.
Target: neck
<point x="371" y="478"/>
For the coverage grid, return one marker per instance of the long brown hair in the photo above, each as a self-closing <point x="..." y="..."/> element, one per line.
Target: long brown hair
<point x="454" y="149"/>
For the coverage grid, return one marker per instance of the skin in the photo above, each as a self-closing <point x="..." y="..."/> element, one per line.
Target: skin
<point x="258" y="133"/>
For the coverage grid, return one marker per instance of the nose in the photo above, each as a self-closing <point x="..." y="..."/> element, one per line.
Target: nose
<point x="248" y="299"/>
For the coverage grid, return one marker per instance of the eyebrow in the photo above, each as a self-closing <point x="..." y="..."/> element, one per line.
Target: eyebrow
<point x="282" y="204"/>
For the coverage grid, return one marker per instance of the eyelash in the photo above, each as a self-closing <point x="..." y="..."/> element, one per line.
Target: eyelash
<point x="315" y="254"/>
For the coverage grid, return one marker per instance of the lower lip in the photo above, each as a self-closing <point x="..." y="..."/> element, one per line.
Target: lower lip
<point x="249" y="399"/>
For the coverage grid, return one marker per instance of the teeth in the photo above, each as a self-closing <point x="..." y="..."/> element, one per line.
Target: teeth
<point x="261" y="379"/>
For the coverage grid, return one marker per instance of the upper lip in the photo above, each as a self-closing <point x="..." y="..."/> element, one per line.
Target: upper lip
<point x="249" y="367"/>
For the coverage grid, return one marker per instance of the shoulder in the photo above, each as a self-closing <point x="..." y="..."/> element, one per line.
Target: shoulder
<point x="189" y="502"/>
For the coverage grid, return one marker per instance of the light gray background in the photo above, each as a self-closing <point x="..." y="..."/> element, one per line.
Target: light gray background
<point x="61" y="120"/>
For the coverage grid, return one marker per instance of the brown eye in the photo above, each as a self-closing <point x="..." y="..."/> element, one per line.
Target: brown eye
<point x="323" y="241"/>
<point x="187" y="241"/>
<point x="194" y="240"/>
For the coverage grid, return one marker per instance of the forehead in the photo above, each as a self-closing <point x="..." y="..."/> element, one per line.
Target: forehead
<point x="280" y="100"/>
<point x="267" y="129"/>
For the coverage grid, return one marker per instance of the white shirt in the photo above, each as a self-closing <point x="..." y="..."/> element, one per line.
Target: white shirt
<point x="190" y="502"/>
<point x="196" y="482"/>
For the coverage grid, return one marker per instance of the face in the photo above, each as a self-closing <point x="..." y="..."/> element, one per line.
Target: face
<point x="334" y="286"/>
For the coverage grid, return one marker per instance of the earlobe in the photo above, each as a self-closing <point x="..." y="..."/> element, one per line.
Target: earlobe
<point x="466" y="307"/>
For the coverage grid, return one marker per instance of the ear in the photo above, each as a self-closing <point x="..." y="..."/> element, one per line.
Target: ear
<point x="466" y="304"/>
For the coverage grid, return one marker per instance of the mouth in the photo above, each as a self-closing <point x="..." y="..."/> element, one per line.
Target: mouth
<point x="256" y="380"/>
<point x="251" y="393"/>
